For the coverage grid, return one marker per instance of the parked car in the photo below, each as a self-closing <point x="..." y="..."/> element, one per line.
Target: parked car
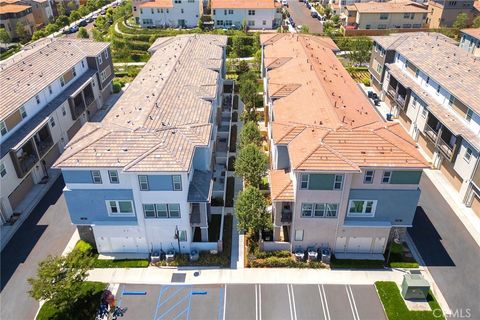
<point x="285" y="3"/>
<point x="313" y="13"/>
<point x="83" y="23"/>
<point x="103" y="12"/>
<point x="73" y="29"/>
<point x="309" y="6"/>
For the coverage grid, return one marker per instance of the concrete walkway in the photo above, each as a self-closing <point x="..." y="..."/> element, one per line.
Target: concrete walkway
<point x="155" y="275"/>
<point x="125" y="64"/>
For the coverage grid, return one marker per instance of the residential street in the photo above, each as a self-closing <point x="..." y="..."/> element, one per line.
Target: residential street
<point x="46" y="231"/>
<point x="301" y="16"/>
<point x="450" y="253"/>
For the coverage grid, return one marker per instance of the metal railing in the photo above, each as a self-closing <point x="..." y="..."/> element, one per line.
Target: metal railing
<point x="432" y="134"/>
<point x="445" y="148"/>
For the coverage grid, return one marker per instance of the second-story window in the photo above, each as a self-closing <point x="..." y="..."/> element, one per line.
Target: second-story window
<point x="74" y="72"/>
<point x="96" y="177"/>
<point x="113" y="176"/>
<point x="362" y="208"/>
<point x="62" y="81"/>
<point x="3" y="128"/>
<point x="383" y="16"/>
<point x="451" y="100"/>
<point x="251" y="12"/>
<point x="3" y="171"/>
<point x="23" y="113"/>
<point x="177" y="182"/>
<point x="50" y="89"/>
<point x="438" y="89"/>
<point x="338" y="183"/>
<point x="52" y="122"/>
<point x="469" y="115"/>
<point x="368" y="177"/>
<point x="468" y="155"/>
<point x="143" y="182"/>
<point x="387" y="175"/>
<point x="99" y="58"/>
<point x="304" y="181"/>
<point x="37" y="98"/>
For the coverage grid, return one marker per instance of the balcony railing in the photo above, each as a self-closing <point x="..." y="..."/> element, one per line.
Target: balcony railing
<point x="445" y="148"/>
<point x="401" y="100"/>
<point x="286" y="215"/>
<point x="432" y="134"/>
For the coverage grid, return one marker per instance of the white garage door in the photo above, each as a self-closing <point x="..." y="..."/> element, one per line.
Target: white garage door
<point x="379" y="245"/>
<point x="359" y="244"/>
<point x="341" y="245"/>
<point x="123" y="244"/>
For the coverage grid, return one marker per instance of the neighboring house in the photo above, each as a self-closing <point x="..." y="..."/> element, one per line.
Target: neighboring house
<point x="12" y="14"/>
<point x="470" y="41"/>
<point x="433" y="88"/>
<point x="443" y="13"/>
<point x="41" y="10"/>
<point x="256" y="14"/>
<point x="338" y="6"/>
<point x="386" y="15"/>
<point x="341" y="177"/>
<point x="47" y="92"/>
<point x="168" y="13"/>
<point x="141" y="180"/>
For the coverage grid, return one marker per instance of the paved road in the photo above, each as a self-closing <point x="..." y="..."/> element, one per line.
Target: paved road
<point x="46" y="231"/>
<point x="451" y="254"/>
<point x="250" y="301"/>
<point x="301" y="16"/>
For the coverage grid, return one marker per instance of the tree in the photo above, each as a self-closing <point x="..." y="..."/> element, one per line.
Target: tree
<point x="251" y="164"/>
<point x="83" y="33"/>
<point x="38" y="34"/>
<point x="248" y="92"/>
<point x="476" y="22"/>
<point x="360" y="50"/>
<point x="328" y="12"/>
<point x="304" y="29"/>
<point x="74" y="16"/>
<point x="102" y="24"/>
<point x="59" y="279"/>
<point x="336" y="19"/>
<point x="4" y="37"/>
<point x="97" y="35"/>
<point x="51" y="28"/>
<point x="250" y="134"/>
<point x="71" y="6"/>
<point x="62" y="21"/>
<point x="60" y="9"/>
<point x="461" y="21"/>
<point x="242" y="67"/>
<point x="251" y="211"/>
<point x="20" y="31"/>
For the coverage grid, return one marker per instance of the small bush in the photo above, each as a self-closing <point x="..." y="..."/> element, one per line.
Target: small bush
<point x="231" y="163"/>
<point x="233" y="138"/>
<point x="278" y="254"/>
<point x="234" y="116"/>
<point x="83" y="247"/>
<point x="132" y="263"/>
<point x="235" y="101"/>
<point x="117" y="86"/>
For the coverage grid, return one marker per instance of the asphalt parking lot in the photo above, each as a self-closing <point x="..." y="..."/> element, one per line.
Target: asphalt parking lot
<point x="250" y="301"/>
<point x="301" y="16"/>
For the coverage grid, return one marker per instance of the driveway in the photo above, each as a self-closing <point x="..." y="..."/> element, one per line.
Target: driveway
<point x="301" y="16"/>
<point x="45" y="232"/>
<point x="450" y="253"/>
<point x="250" y="301"/>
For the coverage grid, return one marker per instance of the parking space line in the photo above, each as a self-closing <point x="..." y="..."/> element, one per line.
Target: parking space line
<point x="349" y="290"/>
<point x="260" y="302"/>
<point x="158" y="302"/>
<point x="256" y="301"/>
<point x="220" y="303"/>
<point x="324" y="295"/>
<point x="189" y="302"/>
<point x="323" y="304"/>
<point x="180" y="288"/>
<point x="350" y="302"/>
<point x="293" y="303"/>
<point x="119" y="303"/>
<point x="224" y="302"/>
<point x="173" y="307"/>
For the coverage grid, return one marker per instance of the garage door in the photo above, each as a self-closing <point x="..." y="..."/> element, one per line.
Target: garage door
<point x="341" y="244"/>
<point x="359" y="244"/>
<point x="21" y="191"/>
<point x="476" y="205"/>
<point x="379" y="245"/>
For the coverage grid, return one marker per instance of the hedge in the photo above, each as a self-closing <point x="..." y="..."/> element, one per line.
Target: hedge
<point x="230" y="192"/>
<point x="233" y="138"/>
<point x="235" y="101"/>
<point x="234" y="116"/>
<point x="231" y="163"/>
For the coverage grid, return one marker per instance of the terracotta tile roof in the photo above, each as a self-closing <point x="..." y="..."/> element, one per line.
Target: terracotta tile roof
<point x="164" y="114"/>
<point x="157" y="4"/>
<point x="327" y="123"/>
<point x="443" y="61"/>
<point x="281" y="186"/>
<point x="474" y="32"/>
<point x="390" y="7"/>
<point x="244" y="4"/>
<point x="13" y="8"/>
<point x="25" y="75"/>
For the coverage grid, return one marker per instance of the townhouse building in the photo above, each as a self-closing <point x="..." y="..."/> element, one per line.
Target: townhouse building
<point x="48" y="91"/>
<point x="167" y="13"/>
<point x="141" y="180"/>
<point x="340" y="176"/>
<point x="256" y="14"/>
<point x="41" y="9"/>
<point x="386" y="15"/>
<point x="339" y="6"/>
<point x="13" y="14"/>
<point x="443" y="13"/>
<point x="433" y="88"/>
<point x="470" y="41"/>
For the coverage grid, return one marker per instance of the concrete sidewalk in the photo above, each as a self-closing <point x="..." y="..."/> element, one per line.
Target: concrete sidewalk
<point x="155" y="275"/>
<point x="466" y="215"/>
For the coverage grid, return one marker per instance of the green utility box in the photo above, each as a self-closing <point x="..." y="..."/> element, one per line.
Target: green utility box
<point x="414" y="286"/>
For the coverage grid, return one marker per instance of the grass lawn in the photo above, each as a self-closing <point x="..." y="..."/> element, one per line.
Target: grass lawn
<point x="398" y="259"/>
<point x="83" y="309"/>
<point x="131" y="263"/>
<point x="396" y="309"/>
<point x="355" y="264"/>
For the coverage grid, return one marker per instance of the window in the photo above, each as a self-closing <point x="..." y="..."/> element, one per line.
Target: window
<point x="219" y="22"/>
<point x="177" y="183"/>
<point x="181" y="10"/>
<point x="152" y="11"/>
<point x="3" y="128"/>
<point x="96" y="177"/>
<point x="307" y="209"/>
<point x="23" y="113"/>
<point x="120" y="207"/>
<point x="105" y="74"/>
<point x="412" y="16"/>
<point x="134" y="8"/>
<point x="64" y="111"/>
<point x="228" y="23"/>
<point x="368" y="177"/>
<point x="362" y="208"/>
<point x="106" y="54"/>
<point x="52" y="122"/>
<point x="468" y="155"/>
<point x="62" y="81"/>
<point x="251" y="12"/>
<point x="113" y="176"/>
<point x="99" y="59"/>
<point x="298" y="235"/>
<point x="338" y="183"/>
<point x="37" y="98"/>
<point x="382" y="26"/>
<point x="428" y="80"/>
<point x="74" y="72"/>
<point x="174" y="210"/>
<point x="319" y="210"/>
<point x="331" y="210"/>
<point x="406" y="26"/>
<point x="387" y="175"/>
<point x="451" y="100"/>
<point x="406" y="15"/>
<point x="143" y="182"/>
<point x="383" y="16"/>
<point x="3" y="171"/>
<point x="149" y="210"/>
<point x="438" y="89"/>
<point x="225" y="12"/>
<point x="264" y="22"/>
<point x="83" y="64"/>
<point x="469" y="115"/>
<point x="304" y="181"/>
<point x="424" y="113"/>
<point x="368" y="26"/>
<point x="182" y="235"/>
<point x="50" y="89"/>
<point x="230" y="11"/>
<point x="251" y="23"/>
<point x="161" y="210"/>
<point x="417" y="72"/>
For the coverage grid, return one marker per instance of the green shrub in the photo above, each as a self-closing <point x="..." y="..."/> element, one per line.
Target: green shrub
<point x="83" y="247"/>
<point x="132" y="263"/>
<point x="356" y="264"/>
<point x="117" y="86"/>
<point x="234" y="116"/>
<point x="233" y="138"/>
<point x="235" y="100"/>
<point x="278" y="254"/>
<point x="231" y="163"/>
<point x="403" y="265"/>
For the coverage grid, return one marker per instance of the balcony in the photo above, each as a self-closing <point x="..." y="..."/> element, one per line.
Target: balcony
<point x="77" y="106"/>
<point x="286" y="213"/>
<point x="24" y="158"/>
<point x="43" y="140"/>
<point x="431" y="133"/>
<point x="445" y="148"/>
